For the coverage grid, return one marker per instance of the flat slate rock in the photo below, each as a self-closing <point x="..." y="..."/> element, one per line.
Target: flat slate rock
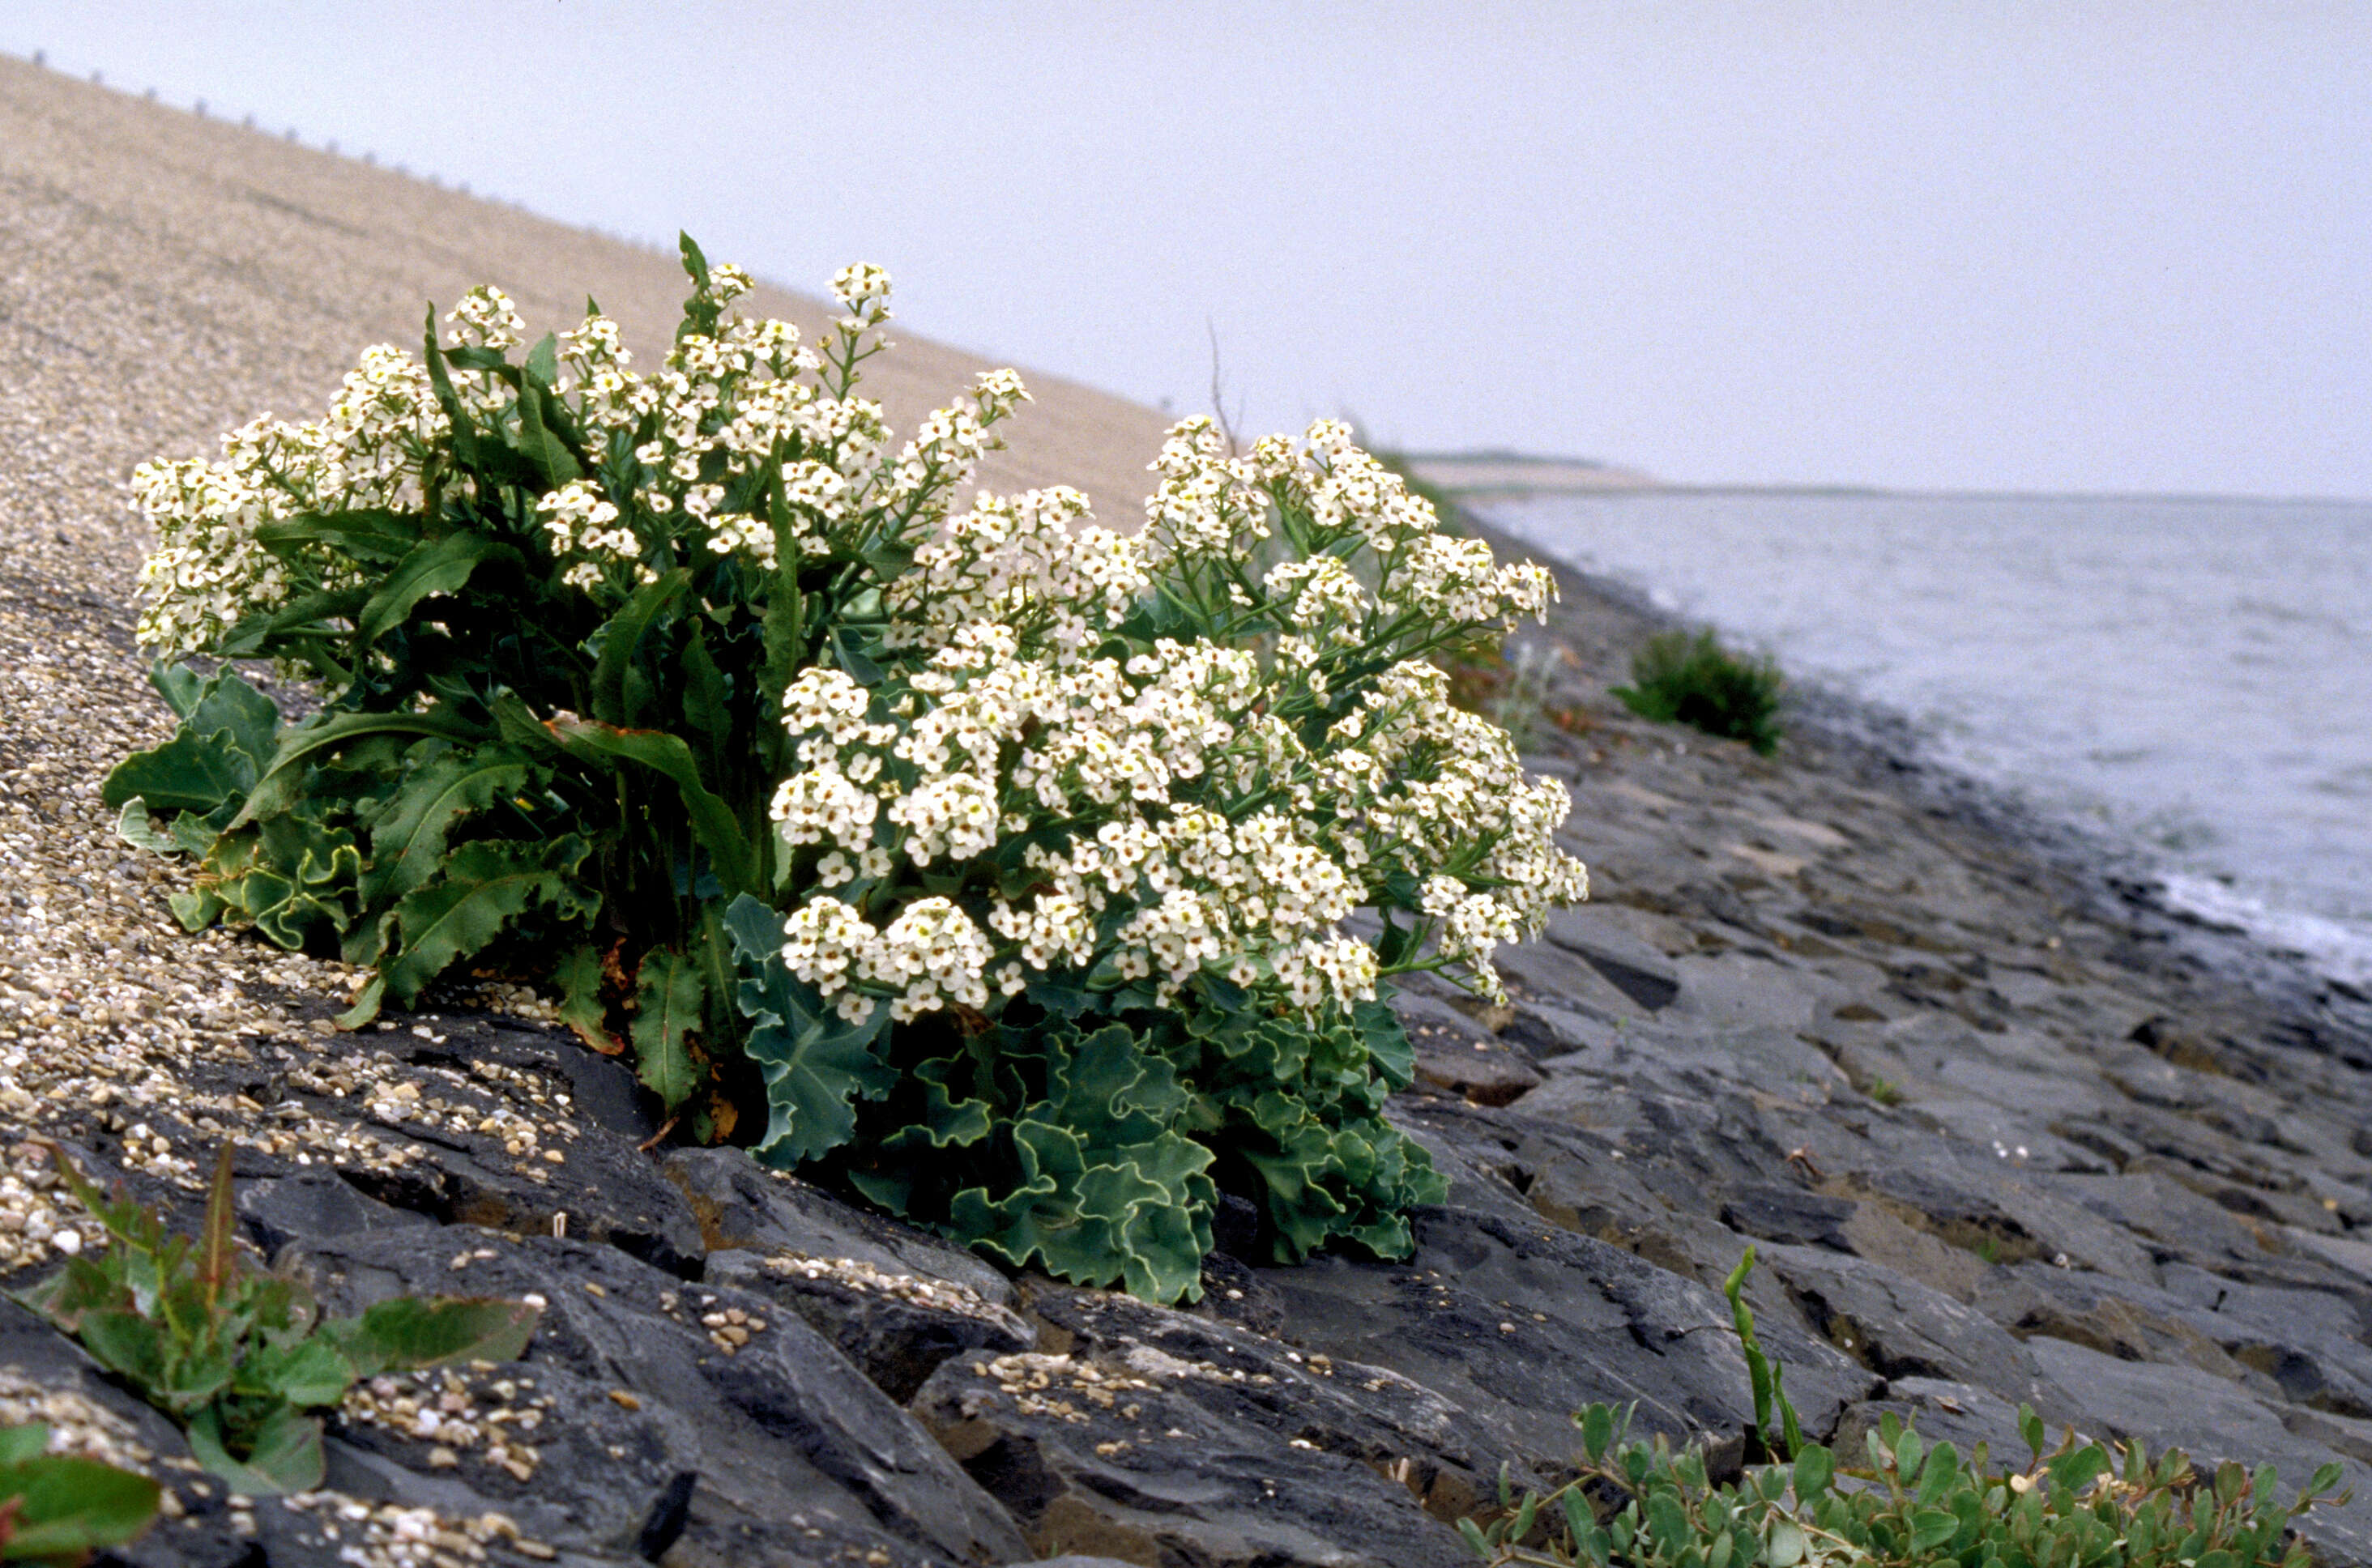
<point x="1115" y="1455"/>
<point x="794" y="1452"/>
<point x="1522" y="1324"/>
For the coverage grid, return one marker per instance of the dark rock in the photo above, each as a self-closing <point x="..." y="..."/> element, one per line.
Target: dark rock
<point x="314" y="1205"/>
<point x="799" y="1456"/>
<point x="609" y="1191"/>
<point x="1113" y="1455"/>
<point x="1789" y="1215"/>
<point x="1631" y="964"/>
<point x="1485" y="1073"/>
<point x="1941" y="1412"/>
<point x="1521" y="1325"/>
<point x="895" y="1327"/>
<point x="1901" y="1328"/>
<point x="1446" y="1456"/>
<point x="738" y="1203"/>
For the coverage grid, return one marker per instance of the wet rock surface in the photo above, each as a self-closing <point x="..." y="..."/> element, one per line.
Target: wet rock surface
<point x="2001" y="1128"/>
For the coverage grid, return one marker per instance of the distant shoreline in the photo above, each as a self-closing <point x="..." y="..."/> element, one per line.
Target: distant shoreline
<point x="1482" y="477"/>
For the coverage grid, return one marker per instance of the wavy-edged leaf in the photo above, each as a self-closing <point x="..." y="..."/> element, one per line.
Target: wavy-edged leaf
<point x="668" y="1006"/>
<point x="275" y="790"/>
<point x="581" y="1008"/>
<point x="815" y="1063"/>
<point x="437" y="566"/>
<point x="712" y="821"/>
<point x="133" y="827"/>
<point x="408" y="839"/>
<point x="484" y="886"/>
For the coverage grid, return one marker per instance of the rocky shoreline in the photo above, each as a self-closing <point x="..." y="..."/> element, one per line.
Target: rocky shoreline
<point x="1995" y="1140"/>
<point x="1999" y="1128"/>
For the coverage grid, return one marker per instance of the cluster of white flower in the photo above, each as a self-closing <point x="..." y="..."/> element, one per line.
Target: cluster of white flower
<point x="1177" y="820"/>
<point x="209" y="571"/>
<point x="734" y="420"/>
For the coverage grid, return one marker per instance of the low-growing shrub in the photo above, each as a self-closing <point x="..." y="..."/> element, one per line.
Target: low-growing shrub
<point x="1912" y="1504"/>
<point x="59" y="1508"/>
<point x="1679" y="679"/>
<point x="236" y="1356"/>
<point x="993" y="862"/>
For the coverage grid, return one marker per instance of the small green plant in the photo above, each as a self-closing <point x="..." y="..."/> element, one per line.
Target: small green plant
<point x="1885" y="1091"/>
<point x="1681" y="679"/>
<point x="1913" y="1505"/>
<point x="58" y="1508"/>
<point x="237" y="1355"/>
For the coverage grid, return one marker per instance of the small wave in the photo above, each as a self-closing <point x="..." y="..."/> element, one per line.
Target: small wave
<point x="2339" y="952"/>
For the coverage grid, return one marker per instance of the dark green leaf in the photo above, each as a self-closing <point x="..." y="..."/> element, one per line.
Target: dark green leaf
<point x="284" y="1455"/>
<point x="438" y="566"/>
<point x="669" y="997"/>
<point x="581" y="1008"/>
<point x="408" y="840"/>
<point x="275" y="790"/>
<point x="622" y="642"/>
<point x="814" y="1062"/>
<point x="712" y="821"/>
<point x="484" y="886"/>
<point x="379" y="537"/>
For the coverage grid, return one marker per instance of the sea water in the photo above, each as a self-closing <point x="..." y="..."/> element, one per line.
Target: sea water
<point x="2193" y="675"/>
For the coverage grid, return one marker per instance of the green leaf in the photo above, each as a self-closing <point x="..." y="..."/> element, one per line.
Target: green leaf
<point x="1815" y="1468"/>
<point x="713" y="822"/>
<point x="133" y="827"/>
<point x="814" y="1063"/>
<point x="622" y="641"/>
<point x="1931" y="1528"/>
<point x="189" y="773"/>
<point x="669" y="997"/>
<point x="276" y="790"/>
<point x="18" y="1443"/>
<point x="541" y="422"/>
<point x="438" y="566"/>
<point x="484" y="886"/>
<point x="581" y="1008"/>
<point x="284" y="1455"/>
<point x="1787" y="1544"/>
<point x="180" y="686"/>
<point x="1597" y="1431"/>
<point x="308" y="1373"/>
<point x="410" y="1332"/>
<point x="366" y="534"/>
<point x="67" y="1506"/>
<point x="408" y="840"/>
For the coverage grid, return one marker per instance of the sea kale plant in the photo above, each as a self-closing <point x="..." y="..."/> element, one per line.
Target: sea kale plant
<point x="1038" y="880"/>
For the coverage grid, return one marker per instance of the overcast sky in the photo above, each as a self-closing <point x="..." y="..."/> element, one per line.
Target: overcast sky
<point x="2058" y="247"/>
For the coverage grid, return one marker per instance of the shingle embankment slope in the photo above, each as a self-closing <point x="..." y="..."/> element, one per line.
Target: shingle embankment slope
<point x="1995" y="1140"/>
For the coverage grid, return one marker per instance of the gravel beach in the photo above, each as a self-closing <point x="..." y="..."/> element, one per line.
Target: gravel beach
<point x="1999" y="1134"/>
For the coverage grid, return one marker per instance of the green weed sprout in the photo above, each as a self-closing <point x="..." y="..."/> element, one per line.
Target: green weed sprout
<point x="236" y="1356"/>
